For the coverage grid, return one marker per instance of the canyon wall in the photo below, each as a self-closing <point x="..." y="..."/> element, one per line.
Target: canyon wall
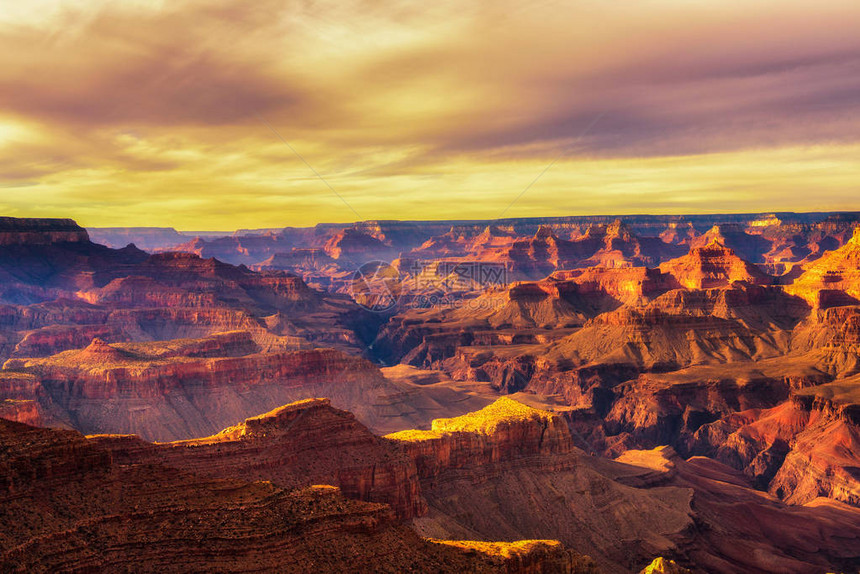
<point x="74" y="509"/>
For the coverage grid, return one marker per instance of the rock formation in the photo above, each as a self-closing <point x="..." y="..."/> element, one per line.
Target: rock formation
<point x="146" y="238"/>
<point x="29" y="232"/>
<point x="74" y="509"/>
<point x="662" y="566"/>
<point x="834" y="278"/>
<point x="713" y="265"/>
<point x="723" y="383"/>
<point x="749" y="532"/>
<point x="26" y="412"/>
<point x="298" y="445"/>
<point x="510" y="470"/>
<point x="185" y="388"/>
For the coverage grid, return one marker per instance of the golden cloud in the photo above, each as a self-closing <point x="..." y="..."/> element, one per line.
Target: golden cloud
<point x="155" y="114"/>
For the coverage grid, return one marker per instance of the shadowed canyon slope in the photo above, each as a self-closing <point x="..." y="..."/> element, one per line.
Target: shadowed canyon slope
<point x="77" y="506"/>
<point x="174" y="346"/>
<point x="660" y="392"/>
<point x="498" y="473"/>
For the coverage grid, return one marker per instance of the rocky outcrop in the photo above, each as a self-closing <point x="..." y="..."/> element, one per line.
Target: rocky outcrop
<point x="737" y="237"/>
<point x="358" y="247"/>
<point x="105" y="371"/>
<point x="503" y="432"/>
<point x="651" y="339"/>
<point x="527" y="556"/>
<point x="304" y="443"/>
<point x="19" y="386"/>
<point x="146" y="238"/>
<point x="822" y="455"/>
<point x="744" y="530"/>
<point x="308" y="262"/>
<point x="662" y="566"/>
<point x="630" y="286"/>
<point x="623" y="248"/>
<point x="833" y="278"/>
<point x="270" y="333"/>
<point x="511" y="471"/>
<point x="26" y="412"/>
<point x="224" y="344"/>
<point x="30" y="457"/>
<point x="754" y="306"/>
<point x="656" y="497"/>
<point x="137" y="291"/>
<point x="247" y="248"/>
<point x="54" y="339"/>
<point x="59" y="293"/>
<point x="523" y="312"/>
<point x="171" y="390"/>
<point x="676" y="330"/>
<point x="667" y="409"/>
<point x="713" y="265"/>
<point x="65" y="312"/>
<point x="73" y="509"/>
<point x="182" y="388"/>
<point x="543" y="253"/>
<point x="14" y="231"/>
<point x="798" y="450"/>
<point x="567" y="298"/>
<point x="830" y="338"/>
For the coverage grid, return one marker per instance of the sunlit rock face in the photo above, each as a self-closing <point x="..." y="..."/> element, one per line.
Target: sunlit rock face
<point x="713" y="265"/>
<point x="833" y="279"/>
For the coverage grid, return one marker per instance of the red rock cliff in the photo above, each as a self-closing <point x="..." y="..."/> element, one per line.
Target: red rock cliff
<point x="14" y="231"/>
<point x="66" y="507"/>
<point x="504" y="432"/>
<point x="304" y="443"/>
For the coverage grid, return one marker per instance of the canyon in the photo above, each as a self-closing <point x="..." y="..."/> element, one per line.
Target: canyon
<point x="576" y="394"/>
<point x="78" y="505"/>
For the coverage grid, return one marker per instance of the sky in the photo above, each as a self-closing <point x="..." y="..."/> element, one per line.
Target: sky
<point x="233" y="114"/>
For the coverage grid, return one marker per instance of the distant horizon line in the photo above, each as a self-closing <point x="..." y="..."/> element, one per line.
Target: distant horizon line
<point x="505" y="220"/>
<point x="535" y="219"/>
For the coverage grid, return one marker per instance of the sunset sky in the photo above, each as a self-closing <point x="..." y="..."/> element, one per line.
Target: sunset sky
<point x="159" y="113"/>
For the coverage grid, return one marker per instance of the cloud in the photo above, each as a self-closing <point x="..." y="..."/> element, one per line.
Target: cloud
<point x="134" y="113"/>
